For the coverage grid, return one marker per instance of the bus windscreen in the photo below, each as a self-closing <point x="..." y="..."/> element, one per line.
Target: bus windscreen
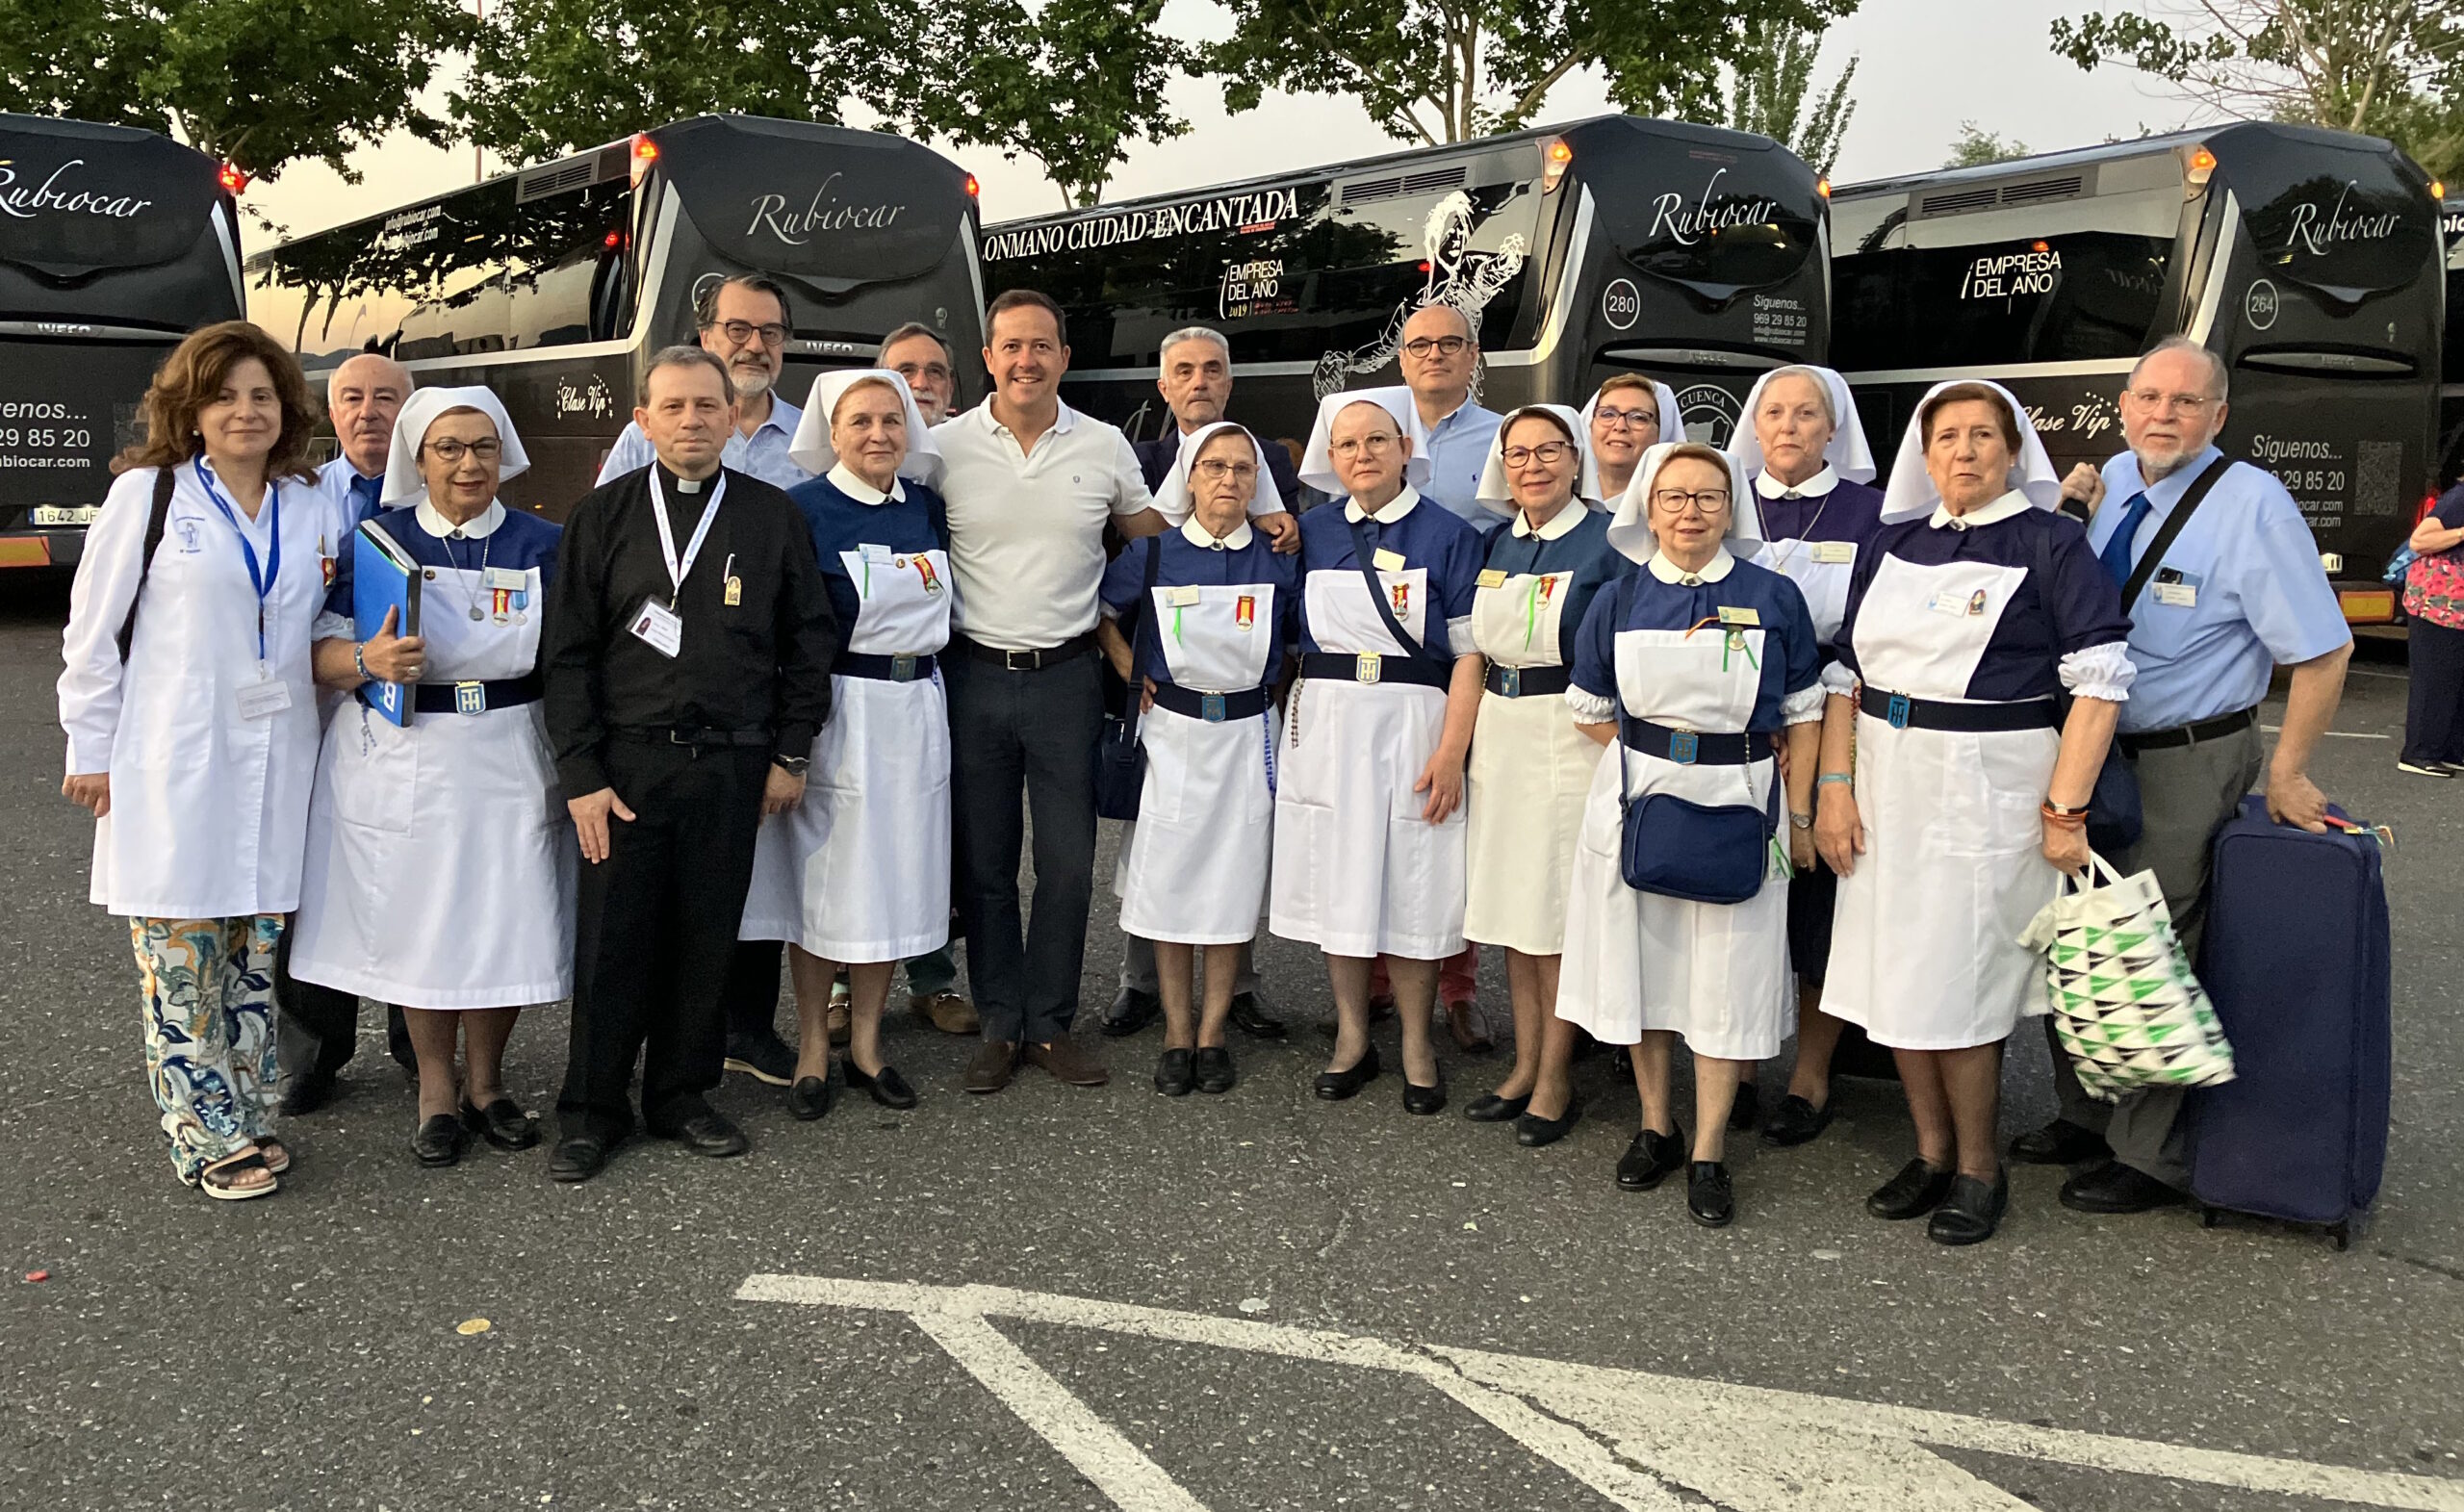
<point x="832" y="207"/>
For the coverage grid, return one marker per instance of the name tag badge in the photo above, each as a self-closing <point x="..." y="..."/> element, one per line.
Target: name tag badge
<point x="1957" y="606"/>
<point x="1731" y="616"/>
<point x="2178" y="595"/>
<point x="1386" y="561"/>
<point x="1180" y="598"/>
<point x="264" y="698"/>
<point x="1835" y="553"/>
<point x="658" y="628"/>
<point x="1492" y="578"/>
<point x="511" y="578"/>
<point x="733" y="595"/>
<point x="876" y="553"/>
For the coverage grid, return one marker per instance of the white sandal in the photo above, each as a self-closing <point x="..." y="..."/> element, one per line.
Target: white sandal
<point x="215" y="1180"/>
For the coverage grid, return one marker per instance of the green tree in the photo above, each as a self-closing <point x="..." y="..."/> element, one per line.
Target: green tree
<point x="1975" y="146"/>
<point x="1446" y="70"/>
<point x="1767" y="95"/>
<point x="261" y="84"/>
<point x="2390" y="67"/>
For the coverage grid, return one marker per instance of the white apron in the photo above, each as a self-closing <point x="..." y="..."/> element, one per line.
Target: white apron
<point x="1193" y="867"/>
<point x="1528" y="778"/>
<point x="1715" y="973"/>
<point x="1925" y="947"/>
<point x="1821" y="569"/>
<point x="440" y="869"/>
<point x="859" y="871"/>
<point x="1358" y="872"/>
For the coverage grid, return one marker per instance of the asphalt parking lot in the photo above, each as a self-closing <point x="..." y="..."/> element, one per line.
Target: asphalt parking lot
<point x="1054" y="1299"/>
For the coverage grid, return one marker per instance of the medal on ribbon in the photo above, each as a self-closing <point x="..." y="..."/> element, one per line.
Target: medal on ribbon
<point x="923" y="566"/>
<point x="1245" y="613"/>
<point x="1401" y="594"/>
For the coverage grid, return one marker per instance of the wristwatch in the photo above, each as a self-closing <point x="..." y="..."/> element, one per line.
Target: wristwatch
<point x="793" y="766"/>
<point x="1797" y="821"/>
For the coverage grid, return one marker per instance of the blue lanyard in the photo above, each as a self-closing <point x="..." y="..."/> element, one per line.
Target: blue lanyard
<point x="263" y="579"/>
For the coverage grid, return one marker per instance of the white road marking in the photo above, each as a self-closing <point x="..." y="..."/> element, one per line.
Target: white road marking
<point x="2333" y="735"/>
<point x="1637" y="1439"/>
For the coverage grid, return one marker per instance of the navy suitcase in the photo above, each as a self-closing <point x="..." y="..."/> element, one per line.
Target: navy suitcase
<point x="2296" y="959"/>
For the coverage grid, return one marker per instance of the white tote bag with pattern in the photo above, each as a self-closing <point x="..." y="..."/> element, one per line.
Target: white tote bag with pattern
<point x="2125" y="1005"/>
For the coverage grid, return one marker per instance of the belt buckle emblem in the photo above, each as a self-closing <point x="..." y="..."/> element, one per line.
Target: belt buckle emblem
<point x="1512" y="678"/>
<point x="1899" y="711"/>
<point x="902" y="669"/>
<point x="1210" y="707"/>
<point x="1365" y="667"/>
<point x="470" y="698"/>
<point x="1681" y="744"/>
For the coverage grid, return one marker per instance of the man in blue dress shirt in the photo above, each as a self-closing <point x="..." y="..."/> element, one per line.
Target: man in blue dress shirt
<point x="2238" y="593"/>
<point x="744" y="322"/>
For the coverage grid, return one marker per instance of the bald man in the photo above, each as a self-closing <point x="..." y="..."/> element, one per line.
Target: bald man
<point x="1440" y="356"/>
<point x="317" y="1028"/>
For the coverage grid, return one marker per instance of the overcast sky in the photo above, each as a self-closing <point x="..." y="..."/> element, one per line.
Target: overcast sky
<point x="1926" y="67"/>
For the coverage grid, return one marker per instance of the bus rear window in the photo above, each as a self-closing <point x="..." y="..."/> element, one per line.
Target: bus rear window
<point x="1714" y="227"/>
<point x="2349" y="227"/>
<point x="2085" y="296"/>
<point x="837" y="208"/>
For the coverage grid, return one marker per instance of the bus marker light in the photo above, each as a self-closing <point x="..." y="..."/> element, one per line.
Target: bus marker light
<point x="1555" y="162"/>
<point x="24" y="550"/>
<point x="2202" y="164"/>
<point x="2367" y="605"/>
<point x="2438" y="189"/>
<point x="645" y="153"/>
<point x="1822" y="187"/>
<point x="232" y="179"/>
<point x="615" y="240"/>
<point x="974" y="189"/>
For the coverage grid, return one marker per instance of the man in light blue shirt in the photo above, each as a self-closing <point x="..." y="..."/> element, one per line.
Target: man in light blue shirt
<point x="1438" y="356"/>
<point x="744" y="322"/>
<point x="2238" y="593"/>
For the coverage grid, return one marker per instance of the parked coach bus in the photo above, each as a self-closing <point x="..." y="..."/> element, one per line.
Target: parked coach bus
<point x="554" y="285"/>
<point x="2450" y="392"/>
<point x="115" y="243"/>
<point x="1690" y="253"/>
<point x="2309" y="259"/>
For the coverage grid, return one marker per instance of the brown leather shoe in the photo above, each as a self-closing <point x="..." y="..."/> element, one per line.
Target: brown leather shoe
<point x="1069" y="1064"/>
<point x="1470" y="1030"/>
<point x="946" y="1012"/>
<point x="995" y="1062"/>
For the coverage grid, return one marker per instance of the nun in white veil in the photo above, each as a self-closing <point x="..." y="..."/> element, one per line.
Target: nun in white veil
<point x="437" y="877"/>
<point x="1953" y="786"/>
<point x="1642" y="413"/>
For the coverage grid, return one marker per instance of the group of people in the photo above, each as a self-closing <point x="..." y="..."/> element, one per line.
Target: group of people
<point x="1718" y="746"/>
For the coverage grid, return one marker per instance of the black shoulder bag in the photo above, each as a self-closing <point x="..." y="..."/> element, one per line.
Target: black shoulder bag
<point x="1120" y="756"/>
<point x="163" y="479"/>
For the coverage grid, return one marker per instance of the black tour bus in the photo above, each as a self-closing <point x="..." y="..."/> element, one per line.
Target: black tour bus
<point x="115" y="243"/>
<point x="2309" y="259"/>
<point x="555" y="284"/>
<point x="1690" y="253"/>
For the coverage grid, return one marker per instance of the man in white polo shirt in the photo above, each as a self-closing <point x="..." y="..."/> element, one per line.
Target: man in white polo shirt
<point x="1030" y="486"/>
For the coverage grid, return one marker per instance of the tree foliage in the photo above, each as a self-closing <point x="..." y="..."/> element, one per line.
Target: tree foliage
<point x="2390" y="67"/>
<point x="1433" y="71"/>
<point x="261" y="84"/>
<point x="1975" y="146"/>
<point x="1767" y="93"/>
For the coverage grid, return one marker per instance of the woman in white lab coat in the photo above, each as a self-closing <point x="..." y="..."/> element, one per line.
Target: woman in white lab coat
<point x="1369" y="855"/>
<point x="440" y="870"/>
<point x="191" y="718"/>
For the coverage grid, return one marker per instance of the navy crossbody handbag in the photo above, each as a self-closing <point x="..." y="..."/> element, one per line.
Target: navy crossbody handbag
<point x="1120" y="755"/>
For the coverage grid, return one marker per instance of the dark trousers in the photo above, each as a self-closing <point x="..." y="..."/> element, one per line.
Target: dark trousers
<point x="751" y="993"/>
<point x="654" y="928"/>
<point x="317" y="1027"/>
<point x="1026" y="736"/>
<point x="2434" y="702"/>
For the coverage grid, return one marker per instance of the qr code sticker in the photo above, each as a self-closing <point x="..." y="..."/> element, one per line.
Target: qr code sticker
<point x="2377" y="470"/>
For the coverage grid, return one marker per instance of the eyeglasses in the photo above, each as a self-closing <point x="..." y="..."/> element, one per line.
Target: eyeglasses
<point x="743" y="331"/>
<point x="1365" y="446"/>
<point x="1218" y="469"/>
<point x="1704" y="501"/>
<point x="1548" y="454"/>
<point x="1443" y="346"/>
<point x="1623" y="419"/>
<point x="2187" y="403"/>
<point x="450" y="452"/>
<point x="935" y="371"/>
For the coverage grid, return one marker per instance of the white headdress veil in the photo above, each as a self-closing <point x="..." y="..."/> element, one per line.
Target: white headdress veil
<point x="403" y="485"/>
<point x="1847" y="454"/>
<point x="810" y="447"/>
<point x="1630" y="531"/>
<point x="1672" y="419"/>
<point x="1318" y="463"/>
<point x="1911" y="493"/>
<point x="1173" y="499"/>
<point x="1499" y="495"/>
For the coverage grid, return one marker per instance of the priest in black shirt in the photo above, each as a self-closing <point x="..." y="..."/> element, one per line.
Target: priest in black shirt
<point x="688" y="674"/>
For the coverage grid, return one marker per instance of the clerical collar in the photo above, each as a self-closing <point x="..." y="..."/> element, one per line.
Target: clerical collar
<point x="693" y="487"/>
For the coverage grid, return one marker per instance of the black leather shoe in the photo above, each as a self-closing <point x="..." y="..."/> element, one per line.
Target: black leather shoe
<point x="439" y="1140"/>
<point x="1213" y="1067"/>
<point x="1649" y="1159"/>
<point x="1795" y="1121"/>
<point x="577" y="1157"/>
<point x="1131" y="1011"/>
<point x="811" y="1097"/>
<point x="1711" y="1197"/>
<point x="1250" y="1016"/>
<point x="307" y="1093"/>
<point x="1173" y="1075"/>
<point x="764" y="1057"/>
<point x="1423" y="1101"/>
<point x="2060" y="1142"/>
<point x="1532" y="1132"/>
<point x="1917" y="1190"/>
<point x="1747" y="1110"/>
<point x="501" y="1123"/>
<point x="1490" y="1108"/>
<point x="711" y="1134"/>
<point x="886" y="1086"/>
<point x="1972" y="1211"/>
<point x="1336" y="1086"/>
<point x="2115" y="1187"/>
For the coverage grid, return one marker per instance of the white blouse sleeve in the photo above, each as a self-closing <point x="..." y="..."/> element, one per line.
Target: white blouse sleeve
<point x="330" y="625"/>
<point x="1837" y="678"/>
<point x="1804" y="707"/>
<point x="1458" y="636"/>
<point x="1590" y="708"/>
<point x="94" y="679"/>
<point x="2099" y="672"/>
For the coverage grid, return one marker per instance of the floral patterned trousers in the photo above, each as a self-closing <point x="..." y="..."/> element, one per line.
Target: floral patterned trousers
<point x="208" y="991"/>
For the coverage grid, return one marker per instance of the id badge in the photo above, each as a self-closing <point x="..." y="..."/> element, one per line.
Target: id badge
<point x="1181" y="598"/>
<point x="264" y="698"/>
<point x="1492" y="578"/>
<point x="1386" y="561"/>
<point x="658" y="628"/>
<point x="2176" y="595"/>
<point x="509" y="578"/>
<point x="1835" y="553"/>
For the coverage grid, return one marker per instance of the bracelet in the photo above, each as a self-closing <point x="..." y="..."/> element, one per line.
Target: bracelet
<point x="2064" y="810"/>
<point x="359" y="660"/>
<point x="1829" y="778"/>
<point x="1799" y="821"/>
<point x="2061" y="820"/>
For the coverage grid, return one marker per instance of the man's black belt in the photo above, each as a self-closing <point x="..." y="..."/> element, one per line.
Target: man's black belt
<point x="693" y="735"/>
<point x="1370" y="667"/>
<point x="884" y="669"/>
<point x="1902" y="713"/>
<point x="1687" y="747"/>
<point x="474" y="698"/>
<point x="2188" y="734"/>
<point x="1215" y="709"/>
<point x="1529" y="681"/>
<point x="1070" y="650"/>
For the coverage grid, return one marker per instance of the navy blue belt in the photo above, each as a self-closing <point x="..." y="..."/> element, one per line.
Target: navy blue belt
<point x="1902" y="713"/>
<point x="472" y="698"/>
<point x="1689" y="748"/>
<point x="1215" y="709"/>
<point x="883" y="669"/>
<point x="1370" y="667"/>
<point x="1529" y="681"/>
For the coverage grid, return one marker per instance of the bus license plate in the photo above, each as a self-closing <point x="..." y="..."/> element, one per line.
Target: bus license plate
<point x="65" y="514"/>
